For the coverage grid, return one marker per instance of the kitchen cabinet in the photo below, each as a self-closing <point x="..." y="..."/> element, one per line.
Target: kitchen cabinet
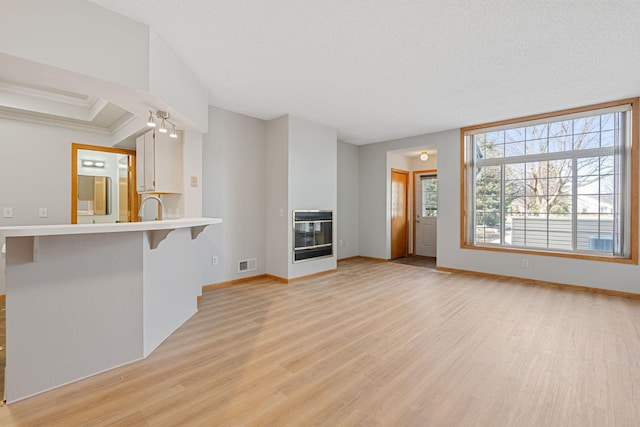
<point x="159" y="163"/>
<point x="144" y="162"/>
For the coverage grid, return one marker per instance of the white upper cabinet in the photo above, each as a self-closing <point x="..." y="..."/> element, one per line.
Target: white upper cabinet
<point x="159" y="163"/>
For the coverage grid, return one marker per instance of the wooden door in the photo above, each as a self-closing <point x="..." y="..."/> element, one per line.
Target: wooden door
<point x="399" y="219"/>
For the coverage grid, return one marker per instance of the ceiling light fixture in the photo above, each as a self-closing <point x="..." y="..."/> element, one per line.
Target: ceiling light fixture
<point x="93" y="163"/>
<point x="150" y="121"/>
<point x="164" y="117"/>
<point x="163" y="127"/>
<point x="424" y="156"/>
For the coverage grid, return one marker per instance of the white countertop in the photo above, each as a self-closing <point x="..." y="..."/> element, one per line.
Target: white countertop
<point x="63" y="229"/>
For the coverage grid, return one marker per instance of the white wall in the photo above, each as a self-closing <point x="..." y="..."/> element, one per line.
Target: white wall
<point x="255" y="173"/>
<point x="375" y="243"/>
<point x="278" y="223"/>
<point x="375" y="193"/>
<point x="372" y="203"/>
<point x="348" y="195"/>
<point x="418" y="165"/>
<point x="192" y="166"/>
<point x="84" y="48"/>
<point x="301" y="174"/>
<point x="78" y="36"/>
<point x="77" y="311"/>
<point x="35" y="172"/>
<point x="313" y="173"/>
<point x="171" y="80"/>
<point x="171" y="285"/>
<point x="397" y="161"/>
<point x="234" y="189"/>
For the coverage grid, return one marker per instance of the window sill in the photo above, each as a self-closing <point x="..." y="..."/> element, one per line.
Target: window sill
<point x="588" y="257"/>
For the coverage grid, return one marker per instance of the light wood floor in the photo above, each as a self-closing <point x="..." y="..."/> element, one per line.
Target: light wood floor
<point x="374" y="344"/>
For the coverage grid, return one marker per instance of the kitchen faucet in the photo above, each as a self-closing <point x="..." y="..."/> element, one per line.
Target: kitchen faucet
<point x="140" y="213"/>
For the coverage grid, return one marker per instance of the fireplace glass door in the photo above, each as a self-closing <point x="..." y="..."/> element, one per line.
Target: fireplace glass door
<point x="312" y="234"/>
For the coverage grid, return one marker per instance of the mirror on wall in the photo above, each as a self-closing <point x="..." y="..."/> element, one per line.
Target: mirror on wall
<point x="103" y="188"/>
<point x="94" y="195"/>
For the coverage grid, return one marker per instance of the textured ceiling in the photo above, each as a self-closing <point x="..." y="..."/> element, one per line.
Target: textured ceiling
<point x="378" y="70"/>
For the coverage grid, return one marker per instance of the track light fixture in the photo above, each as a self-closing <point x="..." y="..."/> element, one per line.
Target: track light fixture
<point x="150" y="121"/>
<point x="164" y="117"/>
<point x="93" y="163"/>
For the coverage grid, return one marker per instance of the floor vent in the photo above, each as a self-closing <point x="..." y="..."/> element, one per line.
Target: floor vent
<point x="247" y="265"/>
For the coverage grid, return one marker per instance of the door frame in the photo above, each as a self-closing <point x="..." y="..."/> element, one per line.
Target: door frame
<point x="133" y="195"/>
<point x="406" y="212"/>
<point x="413" y="205"/>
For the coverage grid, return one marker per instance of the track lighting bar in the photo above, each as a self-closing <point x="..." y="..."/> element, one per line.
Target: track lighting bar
<point x="164" y="117"/>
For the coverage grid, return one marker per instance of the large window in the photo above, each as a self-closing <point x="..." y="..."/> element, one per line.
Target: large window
<point x="558" y="183"/>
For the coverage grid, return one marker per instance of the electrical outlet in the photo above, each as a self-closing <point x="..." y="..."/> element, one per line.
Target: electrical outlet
<point x="194" y="181"/>
<point x="214" y="260"/>
<point x="341" y="242"/>
<point x="281" y="212"/>
<point x="7" y="212"/>
<point x="43" y="212"/>
<point x="525" y="263"/>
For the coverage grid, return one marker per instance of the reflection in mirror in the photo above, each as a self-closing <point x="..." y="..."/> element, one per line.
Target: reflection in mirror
<point x="103" y="188"/>
<point x="124" y="208"/>
<point x="94" y="195"/>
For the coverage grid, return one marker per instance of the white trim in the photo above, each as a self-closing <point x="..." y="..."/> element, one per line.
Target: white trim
<point x="122" y="122"/>
<point x="49" y="95"/>
<point x="30" y="117"/>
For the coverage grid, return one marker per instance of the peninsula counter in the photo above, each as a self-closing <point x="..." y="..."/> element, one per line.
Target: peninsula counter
<point x="85" y="298"/>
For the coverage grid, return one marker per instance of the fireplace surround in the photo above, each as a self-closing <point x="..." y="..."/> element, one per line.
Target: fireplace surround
<point x="312" y="234"/>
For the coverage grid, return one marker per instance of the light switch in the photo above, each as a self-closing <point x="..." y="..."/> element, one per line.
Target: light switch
<point x="194" y="181"/>
<point x="7" y="212"/>
<point x="43" y="212"/>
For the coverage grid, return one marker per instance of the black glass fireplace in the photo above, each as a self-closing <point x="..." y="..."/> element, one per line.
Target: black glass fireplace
<point x="312" y="234"/>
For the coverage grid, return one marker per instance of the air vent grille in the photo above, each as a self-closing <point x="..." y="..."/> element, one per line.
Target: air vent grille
<point x="247" y="265"/>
